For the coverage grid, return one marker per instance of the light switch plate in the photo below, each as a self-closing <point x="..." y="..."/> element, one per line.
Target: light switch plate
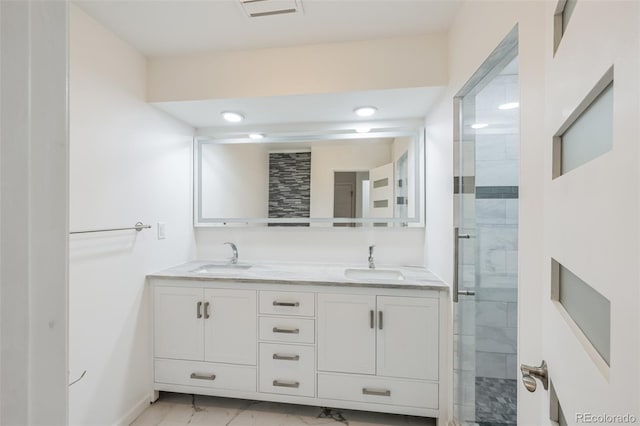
<point x="161" y="230"/>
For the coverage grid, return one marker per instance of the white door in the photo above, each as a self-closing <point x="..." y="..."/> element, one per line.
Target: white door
<point x="407" y="337"/>
<point x="590" y="300"/>
<point x="178" y="323"/>
<point x="230" y="329"/>
<point x="346" y="333"/>
<point x="381" y="191"/>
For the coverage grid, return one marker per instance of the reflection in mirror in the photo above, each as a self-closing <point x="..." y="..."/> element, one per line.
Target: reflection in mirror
<point x="350" y="195"/>
<point x="355" y="181"/>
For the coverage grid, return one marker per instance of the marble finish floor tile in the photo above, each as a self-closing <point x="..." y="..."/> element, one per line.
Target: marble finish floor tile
<point x="174" y="409"/>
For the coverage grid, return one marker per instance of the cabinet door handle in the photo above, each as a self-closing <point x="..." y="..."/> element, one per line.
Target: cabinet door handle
<point x="286" y="330"/>
<point x="380" y="320"/>
<point x="291" y="304"/>
<point x="376" y="392"/>
<point x="203" y="376"/>
<point x="206" y="310"/>
<point x="199" y="310"/>
<point x="285" y="384"/>
<point x="372" y="319"/>
<point x="286" y="357"/>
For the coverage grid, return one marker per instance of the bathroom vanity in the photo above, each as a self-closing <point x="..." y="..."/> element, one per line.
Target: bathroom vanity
<point x="321" y="335"/>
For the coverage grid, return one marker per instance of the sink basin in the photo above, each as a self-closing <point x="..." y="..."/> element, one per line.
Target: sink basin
<point x="374" y="274"/>
<point x="225" y="266"/>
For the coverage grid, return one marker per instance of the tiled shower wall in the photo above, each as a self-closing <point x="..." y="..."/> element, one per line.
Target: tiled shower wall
<point x="496" y="217"/>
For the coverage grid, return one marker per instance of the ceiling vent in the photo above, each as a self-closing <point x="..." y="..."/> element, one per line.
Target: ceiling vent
<point x="257" y="8"/>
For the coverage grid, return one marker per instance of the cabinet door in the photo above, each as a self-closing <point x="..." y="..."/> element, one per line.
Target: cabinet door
<point x="230" y="326"/>
<point x="346" y="333"/>
<point x="407" y="337"/>
<point x="178" y="324"/>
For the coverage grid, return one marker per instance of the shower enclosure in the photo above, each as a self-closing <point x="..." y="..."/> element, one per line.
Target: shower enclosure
<point x="486" y="239"/>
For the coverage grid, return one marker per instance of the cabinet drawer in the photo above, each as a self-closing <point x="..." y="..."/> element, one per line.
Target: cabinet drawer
<point x="377" y="390"/>
<point x="293" y="330"/>
<point x="205" y="374"/>
<point x="287" y="303"/>
<point x="287" y="369"/>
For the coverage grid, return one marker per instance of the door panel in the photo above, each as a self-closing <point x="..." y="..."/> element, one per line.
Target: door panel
<point x="486" y="196"/>
<point x="381" y="191"/>
<point x="178" y="323"/>
<point x="406" y="341"/>
<point x="591" y="214"/>
<point x="230" y="330"/>
<point x="346" y="333"/>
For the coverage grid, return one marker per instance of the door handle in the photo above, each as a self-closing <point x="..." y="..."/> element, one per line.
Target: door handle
<point x="380" y="320"/>
<point x="199" y="310"/>
<point x="372" y="319"/>
<point x="457" y="236"/>
<point x="530" y="374"/>
<point x="206" y="310"/>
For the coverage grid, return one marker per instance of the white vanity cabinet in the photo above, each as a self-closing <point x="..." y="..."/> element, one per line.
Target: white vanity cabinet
<point x="383" y="336"/>
<point x="376" y="348"/>
<point x="197" y="324"/>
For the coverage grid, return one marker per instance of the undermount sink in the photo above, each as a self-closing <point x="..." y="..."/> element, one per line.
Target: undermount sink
<point x="374" y="274"/>
<point x="214" y="267"/>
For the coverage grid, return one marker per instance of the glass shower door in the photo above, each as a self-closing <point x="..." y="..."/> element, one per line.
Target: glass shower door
<point x="486" y="240"/>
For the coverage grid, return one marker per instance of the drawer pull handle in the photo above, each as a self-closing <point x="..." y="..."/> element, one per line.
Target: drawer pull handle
<point x="376" y="392"/>
<point x="286" y="357"/>
<point x="199" y="310"/>
<point x="291" y="304"/>
<point x="284" y="384"/>
<point x="206" y="310"/>
<point x="203" y="376"/>
<point x="286" y="330"/>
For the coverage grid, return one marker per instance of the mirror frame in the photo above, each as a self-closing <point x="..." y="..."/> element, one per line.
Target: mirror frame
<point x="418" y="133"/>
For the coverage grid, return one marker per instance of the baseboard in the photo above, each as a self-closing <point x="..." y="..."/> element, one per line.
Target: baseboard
<point x="134" y="412"/>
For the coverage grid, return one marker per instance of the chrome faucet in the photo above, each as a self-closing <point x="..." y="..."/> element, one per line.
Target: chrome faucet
<point x="372" y="265"/>
<point x="234" y="259"/>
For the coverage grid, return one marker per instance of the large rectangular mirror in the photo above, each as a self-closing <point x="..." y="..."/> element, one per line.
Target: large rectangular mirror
<point x="337" y="179"/>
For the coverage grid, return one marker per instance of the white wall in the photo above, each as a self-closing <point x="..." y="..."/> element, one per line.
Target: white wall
<point x="33" y="216"/>
<point x="317" y="245"/>
<point x="321" y="68"/>
<point x="129" y="162"/>
<point x="235" y="180"/>
<point x="478" y="28"/>
<point x="351" y="157"/>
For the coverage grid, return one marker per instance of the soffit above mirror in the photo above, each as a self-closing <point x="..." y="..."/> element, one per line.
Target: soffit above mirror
<point x="272" y="111"/>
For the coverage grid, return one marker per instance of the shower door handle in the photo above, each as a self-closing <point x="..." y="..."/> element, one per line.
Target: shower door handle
<point x="456" y="292"/>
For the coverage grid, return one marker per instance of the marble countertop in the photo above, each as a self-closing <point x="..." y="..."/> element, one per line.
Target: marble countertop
<point x="304" y="274"/>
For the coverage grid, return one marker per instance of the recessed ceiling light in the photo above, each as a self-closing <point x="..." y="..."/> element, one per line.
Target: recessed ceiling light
<point x="365" y="111"/>
<point x="256" y="135"/>
<point x="509" y="105"/>
<point x="363" y="129"/>
<point x="479" y="125"/>
<point x="232" y="117"/>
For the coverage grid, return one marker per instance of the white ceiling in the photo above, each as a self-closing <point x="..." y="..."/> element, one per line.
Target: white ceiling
<point x="170" y="27"/>
<point x="262" y="113"/>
